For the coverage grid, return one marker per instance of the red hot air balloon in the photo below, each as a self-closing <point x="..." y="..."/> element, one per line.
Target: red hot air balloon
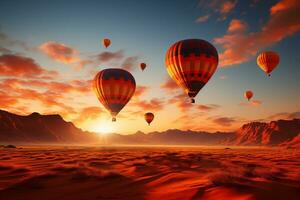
<point x="143" y="66"/>
<point x="248" y="94"/>
<point x="191" y="63"/>
<point x="106" y="42"/>
<point x="268" y="61"/>
<point x="114" y="88"/>
<point x="149" y="117"/>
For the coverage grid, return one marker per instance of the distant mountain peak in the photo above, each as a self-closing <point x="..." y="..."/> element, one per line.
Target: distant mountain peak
<point x="139" y="133"/>
<point x="40" y="129"/>
<point x="37" y="128"/>
<point x="272" y="133"/>
<point x="35" y="114"/>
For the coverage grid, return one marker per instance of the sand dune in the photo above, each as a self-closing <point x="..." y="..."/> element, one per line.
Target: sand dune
<point x="149" y="173"/>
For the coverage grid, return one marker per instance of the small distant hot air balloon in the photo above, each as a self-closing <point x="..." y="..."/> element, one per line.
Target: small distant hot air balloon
<point x="106" y="42"/>
<point x="149" y="117"/>
<point x="191" y="63"/>
<point x="248" y="94"/>
<point x="268" y="61"/>
<point x="114" y="88"/>
<point x="143" y="66"/>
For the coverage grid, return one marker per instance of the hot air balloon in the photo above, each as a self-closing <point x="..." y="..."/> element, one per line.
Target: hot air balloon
<point x="149" y="117"/>
<point x="248" y="94"/>
<point x="106" y="42"/>
<point x="143" y="66"/>
<point x="191" y="63"/>
<point x="114" y="88"/>
<point x="268" y="61"/>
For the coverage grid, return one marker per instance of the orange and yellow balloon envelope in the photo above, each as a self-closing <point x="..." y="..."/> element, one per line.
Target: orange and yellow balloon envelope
<point x="268" y="61"/>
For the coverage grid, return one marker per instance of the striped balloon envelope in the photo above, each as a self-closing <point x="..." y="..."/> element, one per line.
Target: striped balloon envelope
<point x="143" y="66"/>
<point x="248" y="94"/>
<point x="268" y="61"/>
<point x="149" y="117"/>
<point x="106" y="42"/>
<point x="114" y="88"/>
<point x="191" y="63"/>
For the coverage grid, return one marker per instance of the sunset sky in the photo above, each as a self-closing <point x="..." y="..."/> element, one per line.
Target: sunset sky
<point x="51" y="50"/>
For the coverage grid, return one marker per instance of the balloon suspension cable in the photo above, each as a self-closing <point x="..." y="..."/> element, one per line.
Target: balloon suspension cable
<point x="192" y="100"/>
<point x="113" y="119"/>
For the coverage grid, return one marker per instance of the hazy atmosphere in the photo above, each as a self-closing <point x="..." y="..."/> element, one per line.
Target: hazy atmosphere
<point x="52" y="51"/>
<point x="148" y="100"/>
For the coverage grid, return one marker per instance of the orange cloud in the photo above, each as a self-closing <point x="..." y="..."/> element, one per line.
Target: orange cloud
<point x="183" y="105"/>
<point x="140" y="90"/>
<point x="7" y="101"/>
<point x="169" y="84"/>
<point x="60" y="52"/>
<point x="82" y="87"/>
<point x="207" y="107"/>
<point x="202" y="19"/>
<point x="241" y="46"/>
<point x="54" y="96"/>
<point x="110" y="56"/>
<point x="77" y="86"/>
<point x="252" y="103"/>
<point x="220" y="7"/>
<point x="49" y="99"/>
<point x="181" y="102"/>
<point x="237" y="25"/>
<point x="20" y="66"/>
<point x="154" y="104"/>
<point x="285" y="115"/>
<point x="116" y="59"/>
<point x="83" y="63"/>
<point x="130" y="62"/>
<point x="227" y="6"/>
<point x="282" y="5"/>
<point x="88" y="113"/>
<point x="224" y="121"/>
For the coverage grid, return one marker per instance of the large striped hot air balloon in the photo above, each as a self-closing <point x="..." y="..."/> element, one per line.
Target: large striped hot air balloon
<point x="191" y="63"/>
<point x="248" y="94"/>
<point x="114" y="88"/>
<point x="149" y="117"/>
<point x="106" y="42"/>
<point x="268" y="61"/>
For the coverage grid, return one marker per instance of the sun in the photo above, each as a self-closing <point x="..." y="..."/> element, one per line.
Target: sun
<point x="103" y="128"/>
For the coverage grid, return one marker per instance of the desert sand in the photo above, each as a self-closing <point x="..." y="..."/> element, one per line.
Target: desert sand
<point x="149" y="173"/>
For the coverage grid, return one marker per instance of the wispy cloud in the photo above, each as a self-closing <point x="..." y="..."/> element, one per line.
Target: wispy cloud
<point x="202" y="19"/>
<point x="60" y="52"/>
<point x="222" y="8"/>
<point x="154" y="104"/>
<point x="21" y="66"/>
<point x="7" y="41"/>
<point x="252" y="103"/>
<point x="130" y="63"/>
<point x="224" y="121"/>
<point x="240" y="46"/>
<point x="169" y="85"/>
<point x="107" y="56"/>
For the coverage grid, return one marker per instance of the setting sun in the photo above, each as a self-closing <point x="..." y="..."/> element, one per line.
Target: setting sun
<point x="103" y="127"/>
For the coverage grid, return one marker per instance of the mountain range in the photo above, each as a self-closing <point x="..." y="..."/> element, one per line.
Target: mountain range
<point x="53" y="129"/>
